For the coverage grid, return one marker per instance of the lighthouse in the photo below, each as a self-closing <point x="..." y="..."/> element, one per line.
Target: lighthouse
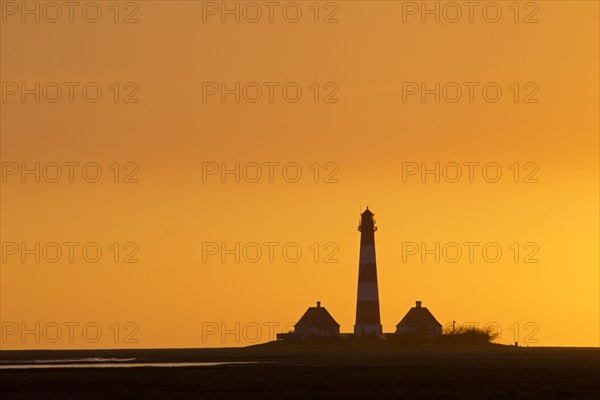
<point x="367" y="302"/>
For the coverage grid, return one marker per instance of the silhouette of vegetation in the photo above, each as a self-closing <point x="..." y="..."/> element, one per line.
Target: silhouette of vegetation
<point x="469" y="335"/>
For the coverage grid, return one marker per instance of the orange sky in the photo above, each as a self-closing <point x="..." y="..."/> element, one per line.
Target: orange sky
<point x="172" y="297"/>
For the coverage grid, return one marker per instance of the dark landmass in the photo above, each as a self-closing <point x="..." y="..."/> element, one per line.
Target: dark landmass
<point x="369" y="370"/>
<point x="271" y="351"/>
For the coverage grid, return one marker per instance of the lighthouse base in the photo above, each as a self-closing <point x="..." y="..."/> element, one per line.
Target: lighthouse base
<point x="368" y="330"/>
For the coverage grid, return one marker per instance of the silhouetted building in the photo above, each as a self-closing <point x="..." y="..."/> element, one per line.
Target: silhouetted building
<point x="367" y="302"/>
<point x="315" y="323"/>
<point x="418" y="325"/>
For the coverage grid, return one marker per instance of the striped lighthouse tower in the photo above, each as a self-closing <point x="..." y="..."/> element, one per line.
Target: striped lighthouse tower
<point x="367" y="302"/>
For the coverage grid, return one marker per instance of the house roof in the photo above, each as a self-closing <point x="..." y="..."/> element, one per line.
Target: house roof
<point x="316" y="316"/>
<point x="419" y="316"/>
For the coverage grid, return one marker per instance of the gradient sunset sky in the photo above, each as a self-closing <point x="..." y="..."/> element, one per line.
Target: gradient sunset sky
<point x="368" y="135"/>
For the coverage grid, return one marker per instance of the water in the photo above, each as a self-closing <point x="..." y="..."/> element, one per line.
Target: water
<point x="71" y="360"/>
<point x="107" y="363"/>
